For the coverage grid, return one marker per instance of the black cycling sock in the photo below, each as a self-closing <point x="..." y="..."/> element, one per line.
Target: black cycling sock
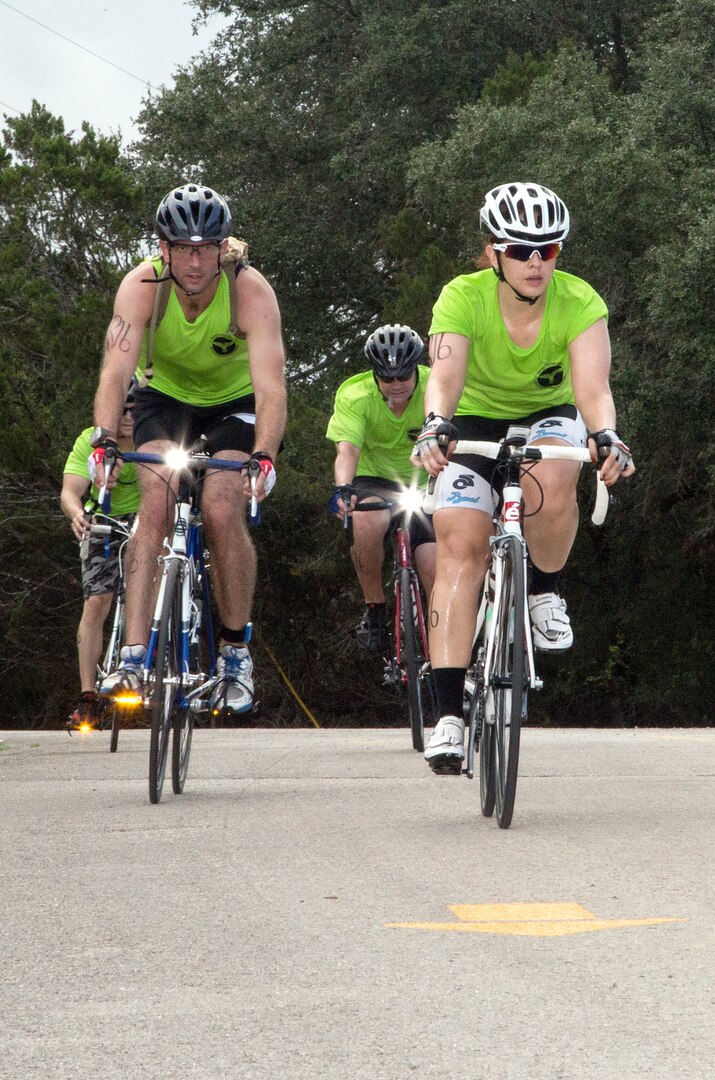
<point x="379" y="609"/>
<point x="541" y="582"/>
<point x="449" y="687"/>
<point x="232" y="637"/>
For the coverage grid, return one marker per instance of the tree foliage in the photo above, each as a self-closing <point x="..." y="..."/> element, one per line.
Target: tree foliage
<point x="355" y="140"/>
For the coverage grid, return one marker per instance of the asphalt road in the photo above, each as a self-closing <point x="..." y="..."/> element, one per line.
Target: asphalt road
<point x="318" y="905"/>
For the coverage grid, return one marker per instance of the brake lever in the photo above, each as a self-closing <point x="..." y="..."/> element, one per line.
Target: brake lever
<point x="254" y="470"/>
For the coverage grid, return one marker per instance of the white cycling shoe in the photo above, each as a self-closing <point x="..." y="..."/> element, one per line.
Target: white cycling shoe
<point x="445" y="750"/>
<point x="234" y="691"/>
<point x="129" y="676"/>
<point x="550" y="625"/>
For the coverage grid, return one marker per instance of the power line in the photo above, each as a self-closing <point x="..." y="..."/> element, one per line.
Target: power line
<point x="10" y="107"/>
<point x="77" y="44"/>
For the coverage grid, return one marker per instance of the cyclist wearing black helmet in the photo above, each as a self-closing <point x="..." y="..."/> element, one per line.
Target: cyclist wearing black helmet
<point x="377" y="415"/>
<point x="517" y="343"/>
<point x="214" y="367"/>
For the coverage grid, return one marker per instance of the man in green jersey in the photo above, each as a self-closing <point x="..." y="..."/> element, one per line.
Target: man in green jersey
<point x="209" y="374"/>
<point x="376" y="418"/>
<point x="517" y="343"/>
<point x="100" y="569"/>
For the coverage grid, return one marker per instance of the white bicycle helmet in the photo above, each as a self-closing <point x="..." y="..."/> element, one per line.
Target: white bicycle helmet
<point x="528" y="213"/>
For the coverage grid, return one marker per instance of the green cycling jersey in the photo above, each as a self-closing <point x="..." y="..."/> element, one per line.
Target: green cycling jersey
<point x="504" y="380"/>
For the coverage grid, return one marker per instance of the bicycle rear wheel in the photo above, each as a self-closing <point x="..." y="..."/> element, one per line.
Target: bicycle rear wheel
<point x="413" y="661"/>
<point x="508" y="680"/>
<point x="109" y="663"/>
<point x="166" y="671"/>
<point x="184" y="717"/>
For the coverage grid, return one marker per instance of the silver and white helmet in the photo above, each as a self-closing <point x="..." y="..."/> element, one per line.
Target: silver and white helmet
<point x="394" y="350"/>
<point x="193" y="213"/>
<point x="525" y="213"/>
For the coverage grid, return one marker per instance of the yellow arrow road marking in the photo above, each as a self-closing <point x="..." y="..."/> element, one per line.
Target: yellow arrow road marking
<point x="527" y="920"/>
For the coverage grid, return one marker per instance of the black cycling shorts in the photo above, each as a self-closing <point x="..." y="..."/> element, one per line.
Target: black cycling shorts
<point x="419" y="526"/>
<point x="228" y="426"/>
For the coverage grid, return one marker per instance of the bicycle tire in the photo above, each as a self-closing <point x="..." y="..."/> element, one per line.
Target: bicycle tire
<point x="184" y="717"/>
<point x="508" y="678"/>
<point x="109" y="663"/>
<point x="412" y="662"/>
<point x="164" y="691"/>
<point x="114" y="736"/>
<point x="487" y="776"/>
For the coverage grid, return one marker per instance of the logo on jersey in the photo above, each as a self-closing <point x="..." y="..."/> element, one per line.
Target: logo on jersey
<point x="551" y="376"/>
<point x="223" y="345"/>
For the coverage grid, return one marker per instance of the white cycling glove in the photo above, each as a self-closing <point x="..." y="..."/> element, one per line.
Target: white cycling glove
<point x="610" y="441"/>
<point x="434" y="428"/>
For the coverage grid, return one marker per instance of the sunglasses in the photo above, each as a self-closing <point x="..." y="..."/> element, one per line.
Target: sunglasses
<point x="523" y="252"/>
<point x="395" y="378"/>
<point x="127" y="409"/>
<point x="204" y="251"/>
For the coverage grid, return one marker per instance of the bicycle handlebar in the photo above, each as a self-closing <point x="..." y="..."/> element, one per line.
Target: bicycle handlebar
<point x="526" y="454"/>
<point x="197" y="460"/>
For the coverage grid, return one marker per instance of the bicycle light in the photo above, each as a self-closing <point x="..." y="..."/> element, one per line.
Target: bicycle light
<point x="129" y="699"/>
<point x="177" y="459"/>
<point x="411" y="499"/>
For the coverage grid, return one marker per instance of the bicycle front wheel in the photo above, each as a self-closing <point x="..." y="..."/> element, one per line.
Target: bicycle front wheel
<point x="412" y="662"/>
<point x="508" y="683"/>
<point x="166" y="673"/>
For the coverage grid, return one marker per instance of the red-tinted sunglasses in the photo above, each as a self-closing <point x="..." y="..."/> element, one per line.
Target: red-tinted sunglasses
<point x="523" y="252"/>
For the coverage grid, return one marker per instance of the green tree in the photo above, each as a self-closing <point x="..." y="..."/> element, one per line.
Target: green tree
<point x="307" y="115"/>
<point x="71" y="216"/>
<point x="637" y="172"/>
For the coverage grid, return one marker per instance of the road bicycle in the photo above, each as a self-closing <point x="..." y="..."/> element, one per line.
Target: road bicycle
<point x="503" y="669"/>
<point x="180" y="668"/>
<point x="406" y="660"/>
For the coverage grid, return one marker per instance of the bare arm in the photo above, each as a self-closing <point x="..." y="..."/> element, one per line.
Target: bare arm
<point x="590" y="355"/>
<point x="346" y="460"/>
<point x="448" y="357"/>
<point x="71" y="500"/>
<point x="132" y="311"/>
<point x="261" y="322"/>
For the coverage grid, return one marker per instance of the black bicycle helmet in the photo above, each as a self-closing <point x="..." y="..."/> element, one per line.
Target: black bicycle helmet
<point x="393" y="350"/>
<point x="193" y="213"/>
<point x="525" y="213"/>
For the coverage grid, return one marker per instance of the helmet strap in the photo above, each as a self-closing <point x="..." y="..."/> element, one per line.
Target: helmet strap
<point x="502" y="277"/>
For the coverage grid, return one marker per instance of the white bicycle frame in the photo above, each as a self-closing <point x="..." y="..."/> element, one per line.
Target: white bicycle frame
<point x="509" y="523"/>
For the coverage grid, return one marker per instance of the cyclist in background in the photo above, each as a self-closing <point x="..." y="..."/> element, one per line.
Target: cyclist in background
<point x="516" y="343"/>
<point x="205" y="378"/>
<point x="100" y="570"/>
<point x="377" y="416"/>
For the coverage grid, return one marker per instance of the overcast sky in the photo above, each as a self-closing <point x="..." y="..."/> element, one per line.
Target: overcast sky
<point x="149" y="39"/>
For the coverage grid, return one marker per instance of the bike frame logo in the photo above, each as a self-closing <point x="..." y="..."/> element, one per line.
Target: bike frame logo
<point x="512" y="511"/>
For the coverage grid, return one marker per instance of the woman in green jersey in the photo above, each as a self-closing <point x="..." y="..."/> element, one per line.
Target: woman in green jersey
<point x="518" y="343"/>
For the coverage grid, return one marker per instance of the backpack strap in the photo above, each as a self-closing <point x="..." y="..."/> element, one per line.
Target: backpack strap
<point x="161" y="300"/>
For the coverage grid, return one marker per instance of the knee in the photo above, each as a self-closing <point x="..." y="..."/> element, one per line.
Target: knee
<point x="558" y="500"/>
<point x="96" y="608"/>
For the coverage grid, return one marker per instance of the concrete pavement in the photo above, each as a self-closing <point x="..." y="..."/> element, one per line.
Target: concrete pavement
<point x="318" y="905"/>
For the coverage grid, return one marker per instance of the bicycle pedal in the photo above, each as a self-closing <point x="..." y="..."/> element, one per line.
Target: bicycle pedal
<point x="446" y="768"/>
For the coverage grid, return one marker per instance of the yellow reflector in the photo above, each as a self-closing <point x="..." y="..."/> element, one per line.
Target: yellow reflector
<point x="129" y="699"/>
